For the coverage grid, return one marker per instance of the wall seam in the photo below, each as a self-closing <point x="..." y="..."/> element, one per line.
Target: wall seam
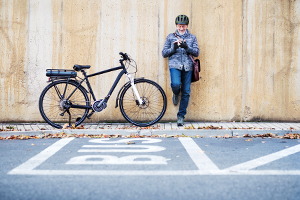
<point x="242" y="84"/>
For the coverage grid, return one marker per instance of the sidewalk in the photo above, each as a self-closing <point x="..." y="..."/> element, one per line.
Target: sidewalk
<point x="189" y="129"/>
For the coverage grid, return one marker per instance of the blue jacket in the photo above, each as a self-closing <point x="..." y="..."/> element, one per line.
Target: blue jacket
<point x="179" y="58"/>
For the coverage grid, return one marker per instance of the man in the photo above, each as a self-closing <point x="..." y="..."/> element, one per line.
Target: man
<point x="178" y="47"/>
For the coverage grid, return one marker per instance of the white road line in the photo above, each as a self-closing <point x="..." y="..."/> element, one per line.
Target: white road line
<point x="197" y="155"/>
<point x="41" y="157"/>
<point x="265" y="159"/>
<point x="157" y="173"/>
<point x="205" y="165"/>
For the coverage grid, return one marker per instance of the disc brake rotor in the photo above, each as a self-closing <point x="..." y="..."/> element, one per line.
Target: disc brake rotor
<point x="145" y="103"/>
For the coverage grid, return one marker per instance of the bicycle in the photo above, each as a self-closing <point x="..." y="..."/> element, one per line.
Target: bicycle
<point x="142" y="102"/>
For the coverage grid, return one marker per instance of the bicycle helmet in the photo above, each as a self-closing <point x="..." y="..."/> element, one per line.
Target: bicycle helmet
<point x="182" y="19"/>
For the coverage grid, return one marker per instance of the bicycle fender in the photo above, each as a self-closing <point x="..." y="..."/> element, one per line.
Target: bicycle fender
<point x="73" y="81"/>
<point x="122" y="88"/>
<point x="76" y="82"/>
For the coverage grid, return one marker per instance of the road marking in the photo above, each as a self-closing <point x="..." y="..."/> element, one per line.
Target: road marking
<point x="197" y="155"/>
<point x="122" y="148"/>
<point x="265" y="159"/>
<point x="114" y="160"/>
<point x="156" y="173"/>
<point x="145" y="140"/>
<point x="35" y="161"/>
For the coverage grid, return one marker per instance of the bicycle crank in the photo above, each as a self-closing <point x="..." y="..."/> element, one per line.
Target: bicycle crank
<point x="98" y="108"/>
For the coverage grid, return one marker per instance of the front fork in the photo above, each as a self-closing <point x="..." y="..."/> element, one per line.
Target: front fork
<point x="137" y="95"/>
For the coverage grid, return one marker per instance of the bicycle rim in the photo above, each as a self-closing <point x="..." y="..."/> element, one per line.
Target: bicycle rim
<point x="149" y="113"/>
<point x="51" y="105"/>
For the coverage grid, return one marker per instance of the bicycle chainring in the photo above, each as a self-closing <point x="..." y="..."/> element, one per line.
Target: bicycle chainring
<point x="99" y="109"/>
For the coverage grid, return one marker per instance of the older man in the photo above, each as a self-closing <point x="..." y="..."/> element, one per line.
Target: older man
<point x="178" y="46"/>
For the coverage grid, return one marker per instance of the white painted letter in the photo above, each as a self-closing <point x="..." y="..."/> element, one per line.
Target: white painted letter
<point x="145" y="140"/>
<point x="114" y="160"/>
<point x="122" y="148"/>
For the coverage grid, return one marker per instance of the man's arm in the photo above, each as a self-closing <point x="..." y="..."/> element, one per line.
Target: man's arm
<point x="194" y="49"/>
<point x="169" y="48"/>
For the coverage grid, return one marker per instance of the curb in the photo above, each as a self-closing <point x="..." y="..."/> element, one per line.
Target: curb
<point x="151" y="132"/>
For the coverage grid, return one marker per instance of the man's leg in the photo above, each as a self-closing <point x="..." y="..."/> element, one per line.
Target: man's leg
<point x="175" y="84"/>
<point x="186" y="80"/>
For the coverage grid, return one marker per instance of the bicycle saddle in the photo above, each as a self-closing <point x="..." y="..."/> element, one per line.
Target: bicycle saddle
<point x="80" y="67"/>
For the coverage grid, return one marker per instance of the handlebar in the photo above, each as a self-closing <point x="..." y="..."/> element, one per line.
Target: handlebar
<point x="124" y="56"/>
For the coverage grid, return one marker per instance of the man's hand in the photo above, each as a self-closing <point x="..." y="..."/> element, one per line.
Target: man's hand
<point x="176" y="45"/>
<point x="184" y="45"/>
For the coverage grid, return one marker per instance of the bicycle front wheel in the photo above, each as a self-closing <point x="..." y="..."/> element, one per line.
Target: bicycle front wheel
<point x="55" y="103"/>
<point x="154" y="103"/>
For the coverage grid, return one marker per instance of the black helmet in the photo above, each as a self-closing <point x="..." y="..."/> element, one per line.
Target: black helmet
<point x="182" y="19"/>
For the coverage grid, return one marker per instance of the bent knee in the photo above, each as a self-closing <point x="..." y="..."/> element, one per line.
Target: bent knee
<point x="175" y="85"/>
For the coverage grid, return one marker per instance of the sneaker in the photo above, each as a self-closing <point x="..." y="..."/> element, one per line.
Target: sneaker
<point x="175" y="99"/>
<point x="179" y="121"/>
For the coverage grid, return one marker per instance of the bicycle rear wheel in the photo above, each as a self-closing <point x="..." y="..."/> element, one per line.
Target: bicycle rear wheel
<point x="55" y="108"/>
<point x="153" y="108"/>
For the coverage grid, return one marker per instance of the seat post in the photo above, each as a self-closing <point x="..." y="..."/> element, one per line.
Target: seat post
<point x="83" y="72"/>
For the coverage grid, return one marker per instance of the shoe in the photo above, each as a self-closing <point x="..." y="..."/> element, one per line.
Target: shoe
<point x="180" y="121"/>
<point x="175" y="99"/>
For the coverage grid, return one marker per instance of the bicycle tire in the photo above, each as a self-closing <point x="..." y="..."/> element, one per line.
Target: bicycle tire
<point x="50" y="104"/>
<point x="149" y="113"/>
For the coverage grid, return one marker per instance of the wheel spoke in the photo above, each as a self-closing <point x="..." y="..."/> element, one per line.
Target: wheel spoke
<point x="149" y="113"/>
<point x="53" y="108"/>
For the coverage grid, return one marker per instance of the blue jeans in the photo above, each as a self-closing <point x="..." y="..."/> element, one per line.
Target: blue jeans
<point x="181" y="81"/>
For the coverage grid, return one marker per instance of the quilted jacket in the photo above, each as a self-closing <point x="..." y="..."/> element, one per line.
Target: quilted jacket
<point x="179" y="58"/>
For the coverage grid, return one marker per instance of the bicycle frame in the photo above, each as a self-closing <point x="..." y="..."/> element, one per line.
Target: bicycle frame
<point x="70" y="98"/>
<point x="124" y="71"/>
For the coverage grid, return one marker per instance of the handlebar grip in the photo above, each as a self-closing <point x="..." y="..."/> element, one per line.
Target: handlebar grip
<point x="125" y="56"/>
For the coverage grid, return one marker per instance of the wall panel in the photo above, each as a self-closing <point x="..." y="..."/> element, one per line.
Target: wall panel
<point x="249" y="52"/>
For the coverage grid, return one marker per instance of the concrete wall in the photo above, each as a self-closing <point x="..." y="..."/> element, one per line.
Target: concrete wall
<point x="249" y="53"/>
<point x="271" y="60"/>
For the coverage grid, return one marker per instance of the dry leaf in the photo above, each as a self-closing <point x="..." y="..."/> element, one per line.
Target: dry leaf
<point x="130" y="143"/>
<point x="65" y="126"/>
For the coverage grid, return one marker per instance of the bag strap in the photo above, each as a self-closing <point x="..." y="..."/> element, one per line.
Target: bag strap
<point x="193" y="60"/>
<point x="176" y="35"/>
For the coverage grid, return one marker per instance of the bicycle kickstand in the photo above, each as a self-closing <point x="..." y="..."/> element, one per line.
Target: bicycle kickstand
<point x="69" y="117"/>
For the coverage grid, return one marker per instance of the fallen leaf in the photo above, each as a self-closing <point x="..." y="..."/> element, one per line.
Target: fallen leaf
<point x="130" y="143"/>
<point x="65" y="126"/>
<point x="132" y="135"/>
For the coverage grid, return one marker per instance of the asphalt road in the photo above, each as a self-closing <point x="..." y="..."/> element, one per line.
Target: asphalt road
<point x="155" y="168"/>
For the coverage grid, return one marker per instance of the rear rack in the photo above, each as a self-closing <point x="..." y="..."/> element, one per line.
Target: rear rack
<point x="61" y="73"/>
